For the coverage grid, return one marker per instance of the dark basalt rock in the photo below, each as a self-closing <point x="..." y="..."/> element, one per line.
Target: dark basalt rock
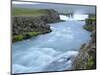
<point x="24" y="24"/>
<point x="86" y="59"/>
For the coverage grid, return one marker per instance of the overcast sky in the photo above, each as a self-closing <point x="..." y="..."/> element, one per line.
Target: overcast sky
<point x="18" y="2"/>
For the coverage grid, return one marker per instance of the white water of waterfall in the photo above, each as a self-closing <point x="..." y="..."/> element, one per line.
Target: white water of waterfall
<point x="74" y="17"/>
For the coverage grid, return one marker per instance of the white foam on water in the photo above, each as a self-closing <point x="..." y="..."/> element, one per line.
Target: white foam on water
<point x="49" y="52"/>
<point x="61" y="62"/>
<point x="16" y="68"/>
<point x="66" y="55"/>
<point x="36" y="59"/>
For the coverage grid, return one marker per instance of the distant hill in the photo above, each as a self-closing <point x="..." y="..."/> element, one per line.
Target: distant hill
<point x="61" y="8"/>
<point x="18" y="11"/>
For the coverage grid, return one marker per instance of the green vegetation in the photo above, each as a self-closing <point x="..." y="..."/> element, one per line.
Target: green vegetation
<point x="28" y="12"/>
<point x="32" y="26"/>
<point x="33" y="33"/>
<point x="89" y="27"/>
<point x="90" y="24"/>
<point x="90" y="20"/>
<point x="90" y="63"/>
<point x="18" y="38"/>
<point x="90" y="49"/>
<point x="25" y="36"/>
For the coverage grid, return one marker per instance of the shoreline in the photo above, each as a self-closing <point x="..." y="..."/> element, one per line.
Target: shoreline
<point x="25" y="27"/>
<point x="86" y="59"/>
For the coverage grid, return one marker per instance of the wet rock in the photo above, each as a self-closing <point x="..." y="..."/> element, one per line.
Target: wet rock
<point x="86" y="59"/>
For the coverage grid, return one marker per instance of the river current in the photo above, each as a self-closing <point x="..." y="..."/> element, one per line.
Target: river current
<point x="53" y="51"/>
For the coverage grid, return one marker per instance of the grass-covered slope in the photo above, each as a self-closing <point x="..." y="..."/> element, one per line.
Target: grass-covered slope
<point x="28" y="12"/>
<point x="27" y="22"/>
<point x="27" y="35"/>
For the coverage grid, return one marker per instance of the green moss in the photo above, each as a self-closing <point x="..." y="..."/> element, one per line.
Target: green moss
<point x="90" y="20"/>
<point x="30" y="34"/>
<point x="89" y="24"/>
<point x="90" y="63"/>
<point x="18" y="38"/>
<point x="25" y="36"/>
<point x="89" y="27"/>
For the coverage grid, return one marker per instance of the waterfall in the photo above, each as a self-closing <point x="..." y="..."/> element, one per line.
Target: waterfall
<point x="63" y="17"/>
<point x="74" y="17"/>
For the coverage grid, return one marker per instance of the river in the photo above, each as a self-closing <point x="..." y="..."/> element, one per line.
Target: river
<point x="53" y="51"/>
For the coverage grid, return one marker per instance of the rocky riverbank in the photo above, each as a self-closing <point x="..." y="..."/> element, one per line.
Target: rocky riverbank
<point x="24" y="27"/>
<point x="86" y="59"/>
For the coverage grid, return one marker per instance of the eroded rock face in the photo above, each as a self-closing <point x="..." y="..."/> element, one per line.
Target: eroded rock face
<point x="52" y="16"/>
<point x="22" y="24"/>
<point x="86" y="58"/>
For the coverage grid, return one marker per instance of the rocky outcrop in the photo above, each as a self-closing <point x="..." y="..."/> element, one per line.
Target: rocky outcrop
<point x="51" y="17"/>
<point x="90" y="24"/>
<point x="86" y="59"/>
<point x="23" y="24"/>
<point x="87" y="55"/>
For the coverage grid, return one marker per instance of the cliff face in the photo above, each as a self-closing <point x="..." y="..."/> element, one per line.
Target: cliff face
<point x="21" y="25"/>
<point x="90" y="24"/>
<point x="87" y="55"/>
<point x="51" y="17"/>
<point x="86" y="59"/>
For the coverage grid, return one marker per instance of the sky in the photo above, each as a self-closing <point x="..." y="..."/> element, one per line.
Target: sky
<point x="16" y="2"/>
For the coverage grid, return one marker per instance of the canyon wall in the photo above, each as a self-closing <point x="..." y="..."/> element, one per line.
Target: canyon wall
<point x="21" y="25"/>
<point x="86" y="59"/>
